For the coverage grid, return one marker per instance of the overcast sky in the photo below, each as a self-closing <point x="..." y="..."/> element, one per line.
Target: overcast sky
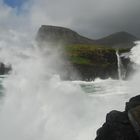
<point x="92" y="18"/>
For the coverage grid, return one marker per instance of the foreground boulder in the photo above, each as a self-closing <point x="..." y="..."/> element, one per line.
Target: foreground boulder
<point x="122" y="125"/>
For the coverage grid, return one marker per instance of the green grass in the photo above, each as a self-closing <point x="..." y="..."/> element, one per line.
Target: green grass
<point x="84" y="47"/>
<point x="89" y="54"/>
<point x="80" y="60"/>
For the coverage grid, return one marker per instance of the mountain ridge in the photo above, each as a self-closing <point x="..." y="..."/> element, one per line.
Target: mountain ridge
<point x="62" y="35"/>
<point x="65" y="35"/>
<point x="119" y="40"/>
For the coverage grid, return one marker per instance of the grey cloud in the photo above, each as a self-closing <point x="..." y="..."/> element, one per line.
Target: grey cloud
<point x="92" y="18"/>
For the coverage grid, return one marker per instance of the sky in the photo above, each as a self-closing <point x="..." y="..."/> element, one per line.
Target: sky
<point x="14" y="3"/>
<point x="91" y="18"/>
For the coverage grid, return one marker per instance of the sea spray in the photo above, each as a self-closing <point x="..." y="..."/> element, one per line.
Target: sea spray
<point x="135" y="53"/>
<point x="38" y="105"/>
<point x="135" y="58"/>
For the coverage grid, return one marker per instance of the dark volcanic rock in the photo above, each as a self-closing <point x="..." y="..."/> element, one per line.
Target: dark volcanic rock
<point x="134" y="117"/>
<point x="133" y="102"/>
<point x="89" y="73"/>
<point x="4" y="69"/>
<point x="122" y="125"/>
<point x="103" y="65"/>
<point x="117" y="127"/>
<point x="133" y="109"/>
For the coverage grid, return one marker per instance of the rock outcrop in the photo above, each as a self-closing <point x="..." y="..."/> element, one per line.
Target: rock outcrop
<point x="98" y="63"/>
<point x="122" y="125"/>
<point x="4" y="69"/>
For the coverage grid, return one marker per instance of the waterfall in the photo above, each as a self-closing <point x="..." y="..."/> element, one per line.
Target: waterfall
<point x="119" y="63"/>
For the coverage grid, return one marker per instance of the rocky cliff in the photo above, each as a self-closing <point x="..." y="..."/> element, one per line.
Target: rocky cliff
<point x="90" y="58"/>
<point x="122" y="125"/>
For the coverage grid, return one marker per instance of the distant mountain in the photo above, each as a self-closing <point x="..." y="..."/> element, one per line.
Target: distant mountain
<point x="67" y="36"/>
<point x="118" y="40"/>
<point x="61" y="35"/>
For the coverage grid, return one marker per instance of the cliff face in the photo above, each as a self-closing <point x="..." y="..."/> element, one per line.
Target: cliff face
<point x="90" y="58"/>
<point x="93" y="61"/>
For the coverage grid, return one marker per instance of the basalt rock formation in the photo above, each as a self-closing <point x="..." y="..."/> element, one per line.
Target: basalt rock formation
<point x="122" y="125"/>
<point x="90" y="58"/>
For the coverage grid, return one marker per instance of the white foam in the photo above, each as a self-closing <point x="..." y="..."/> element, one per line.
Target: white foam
<point x="38" y="105"/>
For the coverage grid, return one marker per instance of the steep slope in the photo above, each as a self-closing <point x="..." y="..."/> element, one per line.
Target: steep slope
<point x="67" y="36"/>
<point x="118" y="40"/>
<point x="61" y="35"/>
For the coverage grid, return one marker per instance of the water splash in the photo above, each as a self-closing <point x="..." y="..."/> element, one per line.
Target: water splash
<point x="38" y="105"/>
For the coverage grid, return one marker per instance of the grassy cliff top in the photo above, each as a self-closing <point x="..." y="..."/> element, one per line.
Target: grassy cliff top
<point x="82" y="50"/>
<point x="90" y="54"/>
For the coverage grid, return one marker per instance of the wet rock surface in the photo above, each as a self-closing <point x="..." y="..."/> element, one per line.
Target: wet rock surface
<point x="134" y="117"/>
<point x="122" y="125"/>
